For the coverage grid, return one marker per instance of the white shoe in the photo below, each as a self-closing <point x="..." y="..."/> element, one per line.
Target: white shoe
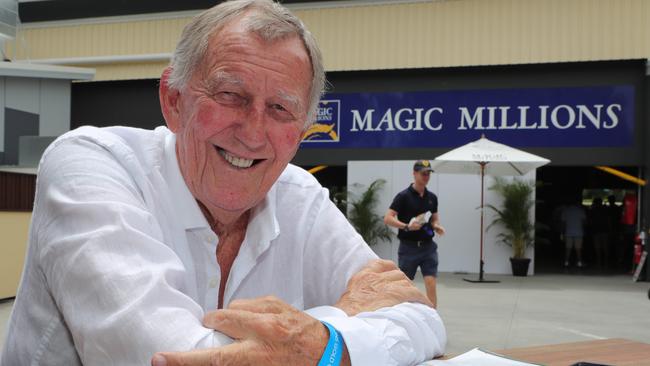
<point x="580" y="265"/>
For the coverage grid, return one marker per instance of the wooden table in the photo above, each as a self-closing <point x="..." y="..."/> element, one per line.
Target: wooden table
<point x="618" y="352"/>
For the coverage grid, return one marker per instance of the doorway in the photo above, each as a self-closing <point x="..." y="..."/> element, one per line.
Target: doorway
<point x="583" y="185"/>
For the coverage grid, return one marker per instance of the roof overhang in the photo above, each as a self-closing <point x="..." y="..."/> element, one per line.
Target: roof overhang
<point x="30" y="70"/>
<point x="18" y="170"/>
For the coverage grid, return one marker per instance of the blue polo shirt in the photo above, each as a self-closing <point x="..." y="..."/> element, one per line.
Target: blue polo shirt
<point x="409" y="204"/>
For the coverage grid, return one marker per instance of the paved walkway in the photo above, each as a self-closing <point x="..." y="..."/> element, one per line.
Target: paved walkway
<point x="541" y="309"/>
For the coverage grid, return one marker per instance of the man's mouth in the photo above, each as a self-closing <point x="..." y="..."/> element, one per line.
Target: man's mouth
<point x="236" y="161"/>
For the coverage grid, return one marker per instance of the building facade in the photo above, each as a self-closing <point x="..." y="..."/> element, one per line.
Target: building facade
<point x="564" y="79"/>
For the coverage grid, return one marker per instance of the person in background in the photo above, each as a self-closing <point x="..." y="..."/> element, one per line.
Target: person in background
<point x="414" y="212"/>
<point x="614" y="240"/>
<point x="600" y="226"/>
<point x="573" y="220"/>
<point x="628" y="229"/>
<point x="198" y="243"/>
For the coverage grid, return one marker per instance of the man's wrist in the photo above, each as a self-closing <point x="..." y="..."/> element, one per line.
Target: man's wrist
<point x="405" y="227"/>
<point x="333" y="349"/>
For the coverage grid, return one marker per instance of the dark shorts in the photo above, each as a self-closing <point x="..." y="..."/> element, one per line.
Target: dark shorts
<point x="410" y="256"/>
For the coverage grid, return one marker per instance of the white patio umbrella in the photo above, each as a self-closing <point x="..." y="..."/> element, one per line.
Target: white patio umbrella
<point x="483" y="157"/>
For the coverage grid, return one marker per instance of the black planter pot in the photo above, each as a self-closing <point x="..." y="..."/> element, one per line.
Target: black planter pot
<point x="520" y="266"/>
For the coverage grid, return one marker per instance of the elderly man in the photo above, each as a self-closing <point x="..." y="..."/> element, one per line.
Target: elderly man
<point x="186" y="238"/>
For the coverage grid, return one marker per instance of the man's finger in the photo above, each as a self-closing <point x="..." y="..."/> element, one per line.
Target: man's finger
<point x="240" y="324"/>
<point x="407" y="292"/>
<point x="198" y="357"/>
<point x="230" y="355"/>
<point x="394" y="275"/>
<point x="267" y="304"/>
<point x="380" y="265"/>
<point x="228" y="322"/>
<point x="376" y="279"/>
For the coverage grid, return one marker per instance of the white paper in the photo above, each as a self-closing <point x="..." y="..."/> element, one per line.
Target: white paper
<point x="477" y="357"/>
<point x="422" y="218"/>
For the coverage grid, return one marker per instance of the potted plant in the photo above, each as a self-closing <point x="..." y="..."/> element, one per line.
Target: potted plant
<point x="363" y="218"/>
<point x="514" y="217"/>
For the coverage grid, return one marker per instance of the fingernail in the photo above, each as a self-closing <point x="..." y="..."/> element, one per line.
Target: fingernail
<point x="158" y="360"/>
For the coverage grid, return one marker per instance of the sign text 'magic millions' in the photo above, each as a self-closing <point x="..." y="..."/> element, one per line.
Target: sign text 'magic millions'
<point x="562" y="117"/>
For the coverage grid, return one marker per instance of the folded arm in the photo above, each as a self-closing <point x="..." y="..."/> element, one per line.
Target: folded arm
<point x="383" y="318"/>
<point x="377" y="303"/>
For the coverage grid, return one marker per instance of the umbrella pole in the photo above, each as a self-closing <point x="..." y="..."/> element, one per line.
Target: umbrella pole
<point x="481" y="263"/>
<point x="480" y="273"/>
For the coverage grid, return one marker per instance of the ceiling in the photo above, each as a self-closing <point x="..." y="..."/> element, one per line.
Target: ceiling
<point x="48" y="10"/>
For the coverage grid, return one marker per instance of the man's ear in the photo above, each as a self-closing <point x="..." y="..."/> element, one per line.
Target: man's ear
<point x="169" y="99"/>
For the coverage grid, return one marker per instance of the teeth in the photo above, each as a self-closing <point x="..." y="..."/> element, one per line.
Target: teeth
<point x="234" y="160"/>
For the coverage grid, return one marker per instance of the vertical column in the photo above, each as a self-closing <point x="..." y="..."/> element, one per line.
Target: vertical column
<point x="2" y="119"/>
<point x="645" y="117"/>
<point x="21" y="112"/>
<point x="54" y="108"/>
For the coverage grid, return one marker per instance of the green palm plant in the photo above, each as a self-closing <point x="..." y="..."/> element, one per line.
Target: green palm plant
<point x="363" y="218"/>
<point x="513" y="216"/>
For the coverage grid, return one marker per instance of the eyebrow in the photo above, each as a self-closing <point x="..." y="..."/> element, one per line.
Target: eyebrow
<point x="292" y="99"/>
<point x="224" y="77"/>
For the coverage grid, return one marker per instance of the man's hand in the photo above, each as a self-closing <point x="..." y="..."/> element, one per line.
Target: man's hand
<point x="414" y="226"/>
<point x="377" y="285"/>
<point x="439" y="229"/>
<point x="267" y="331"/>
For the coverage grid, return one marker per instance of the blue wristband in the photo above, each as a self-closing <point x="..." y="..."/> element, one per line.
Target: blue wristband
<point x="334" y="349"/>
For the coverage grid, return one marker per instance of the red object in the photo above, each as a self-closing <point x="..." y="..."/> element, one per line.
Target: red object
<point x="629" y="209"/>
<point x="638" y="249"/>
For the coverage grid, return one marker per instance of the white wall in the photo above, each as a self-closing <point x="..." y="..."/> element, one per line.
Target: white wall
<point x="458" y="202"/>
<point x="48" y="98"/>
<point x="54" y="107"/>
<point x="22" y="94"/>
<point x="2" y="114"/>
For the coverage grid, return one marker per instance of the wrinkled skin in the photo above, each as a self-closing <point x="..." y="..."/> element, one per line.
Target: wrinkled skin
<point x="379" y="284"/>
<point x="266" y="330"/>
<point x="247" y="101"/>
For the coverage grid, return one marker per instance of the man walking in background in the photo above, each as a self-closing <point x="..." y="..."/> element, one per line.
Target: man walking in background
<point x="573" y="222"/>
<point x="414" y="212"/>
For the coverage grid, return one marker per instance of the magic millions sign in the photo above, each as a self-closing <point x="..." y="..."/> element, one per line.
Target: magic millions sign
<point x="552" y="117"/>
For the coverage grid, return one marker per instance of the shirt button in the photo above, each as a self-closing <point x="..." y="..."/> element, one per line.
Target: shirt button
<point x="213" y="283"/>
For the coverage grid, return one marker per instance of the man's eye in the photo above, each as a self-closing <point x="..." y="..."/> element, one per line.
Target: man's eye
<point x="281" y="113"/>
<point x="279" y="107"/>
<point x="228" y="97"/>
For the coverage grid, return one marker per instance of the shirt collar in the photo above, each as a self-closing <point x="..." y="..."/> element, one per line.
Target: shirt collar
<point x="412" y="190"/>
<point x="190" y="213"/>
<point x="262" y="229"/>
<point x="263" y="226"/>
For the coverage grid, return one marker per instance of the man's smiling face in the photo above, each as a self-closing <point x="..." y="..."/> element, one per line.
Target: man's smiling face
<point x="240" y="118"/>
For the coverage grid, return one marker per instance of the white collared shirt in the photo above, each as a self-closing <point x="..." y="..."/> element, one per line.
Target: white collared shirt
<point x="122" y="263"/>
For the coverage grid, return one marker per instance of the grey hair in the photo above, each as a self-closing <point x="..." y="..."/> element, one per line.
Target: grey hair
<point x="270" y="21"/>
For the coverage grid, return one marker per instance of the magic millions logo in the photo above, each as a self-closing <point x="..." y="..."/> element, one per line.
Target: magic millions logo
<point x="326" y="127"/>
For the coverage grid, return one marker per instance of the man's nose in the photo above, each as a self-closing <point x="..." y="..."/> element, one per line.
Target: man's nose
<point x="252" y="129"/>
